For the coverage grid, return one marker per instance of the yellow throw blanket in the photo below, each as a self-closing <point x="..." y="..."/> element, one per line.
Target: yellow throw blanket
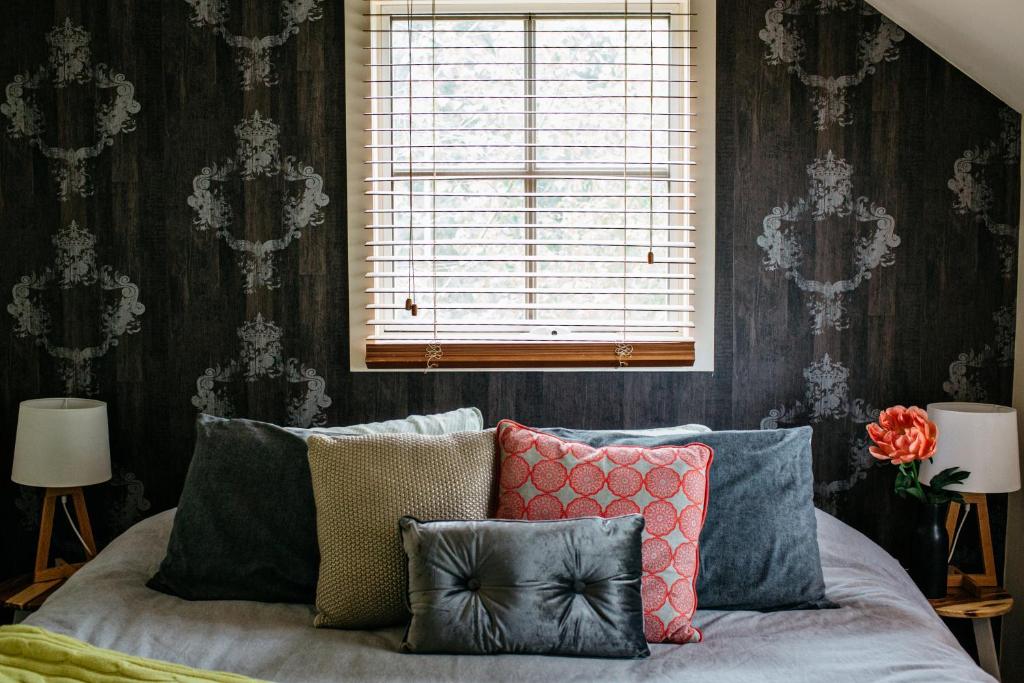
<point x="33" y="655"/>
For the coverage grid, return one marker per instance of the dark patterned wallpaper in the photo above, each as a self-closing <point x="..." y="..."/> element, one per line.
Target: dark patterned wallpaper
<point x="172" y="205"/>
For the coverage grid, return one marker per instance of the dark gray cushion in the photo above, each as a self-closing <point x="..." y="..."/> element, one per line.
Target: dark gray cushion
<point x="759" y="546"/>
<point x="562" y="587"/>
<point x="246" y="522"/>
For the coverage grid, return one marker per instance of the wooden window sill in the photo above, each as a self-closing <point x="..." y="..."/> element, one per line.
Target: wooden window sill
<point x="404" y="355"/>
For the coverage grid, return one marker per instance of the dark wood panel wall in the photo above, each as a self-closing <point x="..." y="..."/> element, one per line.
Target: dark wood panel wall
<point x="865" y="246"/>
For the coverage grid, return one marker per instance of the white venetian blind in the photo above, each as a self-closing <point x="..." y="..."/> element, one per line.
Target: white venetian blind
<point x="529" y="175"/>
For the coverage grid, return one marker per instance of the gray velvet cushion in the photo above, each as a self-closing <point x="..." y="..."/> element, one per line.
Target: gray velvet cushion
<point x="246" y="522"/>
<point x="758" y="547"/>
<point x="562" y="587"/>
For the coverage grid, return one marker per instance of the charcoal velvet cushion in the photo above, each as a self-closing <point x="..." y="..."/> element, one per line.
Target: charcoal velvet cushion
<point x="245" y="528"/>
<point x="562" y="587"/>
<point x="758" y="547"/>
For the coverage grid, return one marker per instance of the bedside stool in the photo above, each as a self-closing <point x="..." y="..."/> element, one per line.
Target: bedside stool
<point x="20" y="596"/>
<point x="980" y="608"/>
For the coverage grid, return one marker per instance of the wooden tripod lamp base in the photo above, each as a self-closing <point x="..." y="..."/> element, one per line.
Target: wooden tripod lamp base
<point x="972" y="583"/>
<point x="43" y="570"/>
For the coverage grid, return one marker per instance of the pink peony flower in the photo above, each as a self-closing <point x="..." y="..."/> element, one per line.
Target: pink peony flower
<point x="903" y="435"/>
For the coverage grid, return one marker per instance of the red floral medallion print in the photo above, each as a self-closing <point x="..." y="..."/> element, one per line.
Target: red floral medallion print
<point x="514" y="443"/>
<point x="549" y="447"/>
<point x="691" y="519"/>
<point x="655" y="592"/>
<point x="625" y="481"/>
<point x="586" y="479"/>
<point x="657" y="553"/>
<point x="694" y="484"/>
<point x="514" y="472"/>
<point x="544" y="507"/>
<point x="583" y="507"/>
<point x="620" y="507"/>
<point x="623" y="456"/>
<point x="660" y="517"/>
<point x="548" y="475"/>
<point x="662" y="482"/>
<point x="511" y="505"/>
<point x="685" y="559"/>
<point x="681" y="596"/>
<point x="544" y="477"/>
<point x="654" y="629"/>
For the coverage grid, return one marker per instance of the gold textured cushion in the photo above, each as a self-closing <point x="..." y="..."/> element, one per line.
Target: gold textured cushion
<point x="362" y="486"/>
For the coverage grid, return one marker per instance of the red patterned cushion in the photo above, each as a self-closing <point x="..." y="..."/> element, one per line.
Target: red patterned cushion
<point x="544" y="477"/>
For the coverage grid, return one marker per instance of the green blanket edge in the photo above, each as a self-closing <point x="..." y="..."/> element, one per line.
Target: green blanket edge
<point x="29" y="654"/>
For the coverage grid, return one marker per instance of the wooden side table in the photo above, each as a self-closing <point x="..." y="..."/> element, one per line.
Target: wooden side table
<point x="20" y="594"/>
<point x="979" y="608"/>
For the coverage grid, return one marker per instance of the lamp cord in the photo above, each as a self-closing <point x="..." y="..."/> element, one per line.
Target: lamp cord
<point x="956" y="536"/>
<point x="74" y="527"/>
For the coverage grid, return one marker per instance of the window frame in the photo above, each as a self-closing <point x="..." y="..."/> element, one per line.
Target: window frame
<point x="571" y="355"/>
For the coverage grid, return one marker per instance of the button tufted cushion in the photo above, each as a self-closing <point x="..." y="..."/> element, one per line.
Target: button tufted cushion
<point x="544" y="477"/>
<point x="564" y="587"/>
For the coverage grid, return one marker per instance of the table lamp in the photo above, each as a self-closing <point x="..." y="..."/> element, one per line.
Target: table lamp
<point x="62" y="444"/>
<point x="980" y="438"/>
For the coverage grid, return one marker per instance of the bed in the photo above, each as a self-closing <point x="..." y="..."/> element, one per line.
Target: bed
<point x="884" y="630"/>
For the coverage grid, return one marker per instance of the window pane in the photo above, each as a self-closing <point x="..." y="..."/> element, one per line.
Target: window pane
<point x="599" y="43"/>
<point x="478" y="117"/>
<point x="476" y="222"/>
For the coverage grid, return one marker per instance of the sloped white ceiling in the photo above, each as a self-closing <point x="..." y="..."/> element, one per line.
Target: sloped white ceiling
<point x="982" y="38"/>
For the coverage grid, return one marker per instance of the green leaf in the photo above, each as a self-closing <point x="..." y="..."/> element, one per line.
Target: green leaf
<point x="916" y="493"/>
<point x="947" y="477"/>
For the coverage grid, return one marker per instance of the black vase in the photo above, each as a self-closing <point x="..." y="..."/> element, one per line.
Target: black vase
<point x="929" y="547"/>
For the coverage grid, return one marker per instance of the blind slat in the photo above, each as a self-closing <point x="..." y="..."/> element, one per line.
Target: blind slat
<point x="524" y="259"/>
<point x="567" y="162"/>
<point x="528" y="243"/>
<point x="555" y="226"/>
<point x="421" y="275"/>
<point x="400" y="81"/>
<point x="385" y="65"/>
<point x="530" y="307"/>
<point x="490" y="31"/>
<point x="414" y="324"/>
<point x="528" y="145"/>
<point x="519" y="176"/>
<point x="559" y="97"/>
<point x="531" y="290"/>
<point x="576" y="112"/>
<point x="527" y="195"/>
<point x="526" y="129"/>
<point x="519" y="209"/>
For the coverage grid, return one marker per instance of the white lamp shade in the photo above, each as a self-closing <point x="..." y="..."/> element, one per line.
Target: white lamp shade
<point x="61" y="442"/>
<point x="980" y="438"/>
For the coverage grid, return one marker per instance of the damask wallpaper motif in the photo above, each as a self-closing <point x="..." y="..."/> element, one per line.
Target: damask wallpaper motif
<point x="830" y="93"/>
<point x="70" y="63"/>
<point x="75" y="266"/>
<point x="258" y="154"/>
<point x="867" y="198"/>
<point x="830" y="193"/>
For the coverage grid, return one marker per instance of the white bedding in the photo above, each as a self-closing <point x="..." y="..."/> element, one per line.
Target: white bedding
<point x="884" y="631"/>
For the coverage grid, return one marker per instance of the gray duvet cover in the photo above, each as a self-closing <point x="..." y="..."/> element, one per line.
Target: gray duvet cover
<point x="884" y="630"/>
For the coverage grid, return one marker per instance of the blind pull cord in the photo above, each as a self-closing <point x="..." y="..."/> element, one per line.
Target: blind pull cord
<point x="410" y="303"/>
<point x="623" y="351"/>
<point x="650" y="139"/>
<point x="433" y="352"/>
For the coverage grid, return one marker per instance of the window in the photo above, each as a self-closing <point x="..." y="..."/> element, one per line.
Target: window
<point x="524" y="185"/>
